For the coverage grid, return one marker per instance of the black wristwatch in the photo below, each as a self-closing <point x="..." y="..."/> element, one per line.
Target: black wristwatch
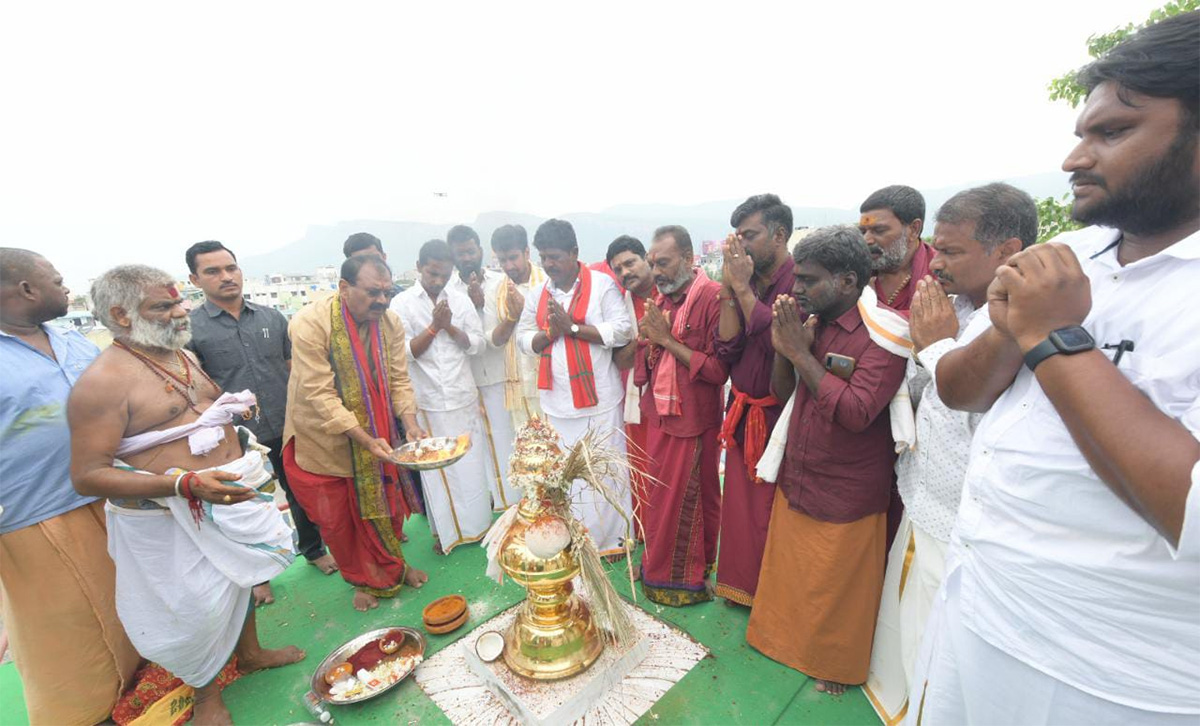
<point x="1069" y="341"/>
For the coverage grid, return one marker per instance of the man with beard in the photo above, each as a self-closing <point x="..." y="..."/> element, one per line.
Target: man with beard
<point x="574" y="321"/>
<point x="682" y="415"/>
<point x="976" y="231"/>
<point x="757" y="269"/>
<point x="1073" y="598"/>
<point x="190" y="528"/>
<point x="502" y="312"/>
<point x="488" y="365"/>
<point x="825" y="548"/>
<point x="244" y="346"/>
<point x="56" y="573"/>
<point x="444" y="333"/>
<point x="626" y="259"/>
<point x="349" y="382"/>
<point x="891" y="222"/>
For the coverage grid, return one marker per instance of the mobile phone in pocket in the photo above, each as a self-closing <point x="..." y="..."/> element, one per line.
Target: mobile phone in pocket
<point x="841" y="366"/>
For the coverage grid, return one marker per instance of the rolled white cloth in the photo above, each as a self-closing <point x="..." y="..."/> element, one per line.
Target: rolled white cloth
<point x="203" y="434"/>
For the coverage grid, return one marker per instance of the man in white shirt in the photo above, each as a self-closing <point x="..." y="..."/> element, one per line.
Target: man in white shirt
<point x="502" y="312"/>
<point x="1073" y="585"/>
<point x="574" y="321"/>
<point x="442" y="331"/>
<point x="488" y="363"/>
<point x="975" y="232"/>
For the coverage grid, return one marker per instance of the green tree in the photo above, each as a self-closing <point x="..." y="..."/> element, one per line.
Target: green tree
<point x="1066" y="88"/>
<point x="1054" y="217"/>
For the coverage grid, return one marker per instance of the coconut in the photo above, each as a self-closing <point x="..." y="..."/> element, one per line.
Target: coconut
<point x="547" y="536"/>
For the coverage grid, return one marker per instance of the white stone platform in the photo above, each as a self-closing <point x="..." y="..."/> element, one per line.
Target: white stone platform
<point x="617" y="689"/>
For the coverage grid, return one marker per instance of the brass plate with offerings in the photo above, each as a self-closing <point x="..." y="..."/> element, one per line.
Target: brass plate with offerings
<point x="435" y="452"/>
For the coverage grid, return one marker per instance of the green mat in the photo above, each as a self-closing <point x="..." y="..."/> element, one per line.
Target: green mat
<point x="734" y="685"/>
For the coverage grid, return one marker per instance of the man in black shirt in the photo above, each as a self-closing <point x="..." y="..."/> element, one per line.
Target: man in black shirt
<point x="242" y="345"/>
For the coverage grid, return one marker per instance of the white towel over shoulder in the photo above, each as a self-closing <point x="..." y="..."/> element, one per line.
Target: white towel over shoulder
<point x="889" y="330"/>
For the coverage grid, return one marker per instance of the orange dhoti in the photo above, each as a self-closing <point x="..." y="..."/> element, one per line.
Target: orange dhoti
<point x="59" y="607"/>
<point x="818" y="593"/>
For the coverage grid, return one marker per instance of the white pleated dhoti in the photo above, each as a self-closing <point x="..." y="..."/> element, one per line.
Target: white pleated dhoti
<point x="916" y="565"/>
<point x="497" y="425"/>
<point x="457" y="500"/>
<point x="607" y="527"/>
<point x="960" y="678"/>
<point x="183" y="590"/>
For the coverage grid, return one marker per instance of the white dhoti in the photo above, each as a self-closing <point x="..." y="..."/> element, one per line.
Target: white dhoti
<point x="457" y="499"/>
<point x="607" y="527"/>
<point x="182" y="589"/>
<point x="497" y="425"/>
<point x="915" y="568"/>
<point x="960" y="678"/>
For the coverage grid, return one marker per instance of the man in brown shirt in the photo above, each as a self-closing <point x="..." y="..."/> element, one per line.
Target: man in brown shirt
<point x="349" y="380"/>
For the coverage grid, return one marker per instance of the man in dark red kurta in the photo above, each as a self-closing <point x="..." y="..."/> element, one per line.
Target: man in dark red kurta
<point x="681" y="410"/>
<point x="757" y="269"/>
<point x="825" y="549"/>
<point x="891" y="223"/>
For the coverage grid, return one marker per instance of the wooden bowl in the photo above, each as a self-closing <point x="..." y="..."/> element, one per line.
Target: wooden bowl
<point x="444" y="610"/>
<point x="448" y="627"/>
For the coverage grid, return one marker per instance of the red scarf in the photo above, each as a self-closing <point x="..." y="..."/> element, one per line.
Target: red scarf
<point x="372" y="373"/>
<point x="579" y="353"/>
<point x="756" y="427"/>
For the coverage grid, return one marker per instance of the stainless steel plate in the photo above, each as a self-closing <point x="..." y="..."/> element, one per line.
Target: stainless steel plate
<point x="344" y="651"/>
<point x="439" y="442"/>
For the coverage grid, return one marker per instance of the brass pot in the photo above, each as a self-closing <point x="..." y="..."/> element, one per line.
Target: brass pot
<point x="553" y="635"/>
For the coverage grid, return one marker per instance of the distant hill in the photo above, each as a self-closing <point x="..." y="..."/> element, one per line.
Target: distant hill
<point x="322" y="245"/>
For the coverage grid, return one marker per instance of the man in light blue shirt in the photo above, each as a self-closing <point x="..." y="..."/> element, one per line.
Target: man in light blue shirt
<point x="50" y="608"/>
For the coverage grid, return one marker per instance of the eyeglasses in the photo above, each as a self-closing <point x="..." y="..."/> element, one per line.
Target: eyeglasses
<point x="378" y="293"/>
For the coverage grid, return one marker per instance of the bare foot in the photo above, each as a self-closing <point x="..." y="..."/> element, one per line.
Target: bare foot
<point x="833" y="689"/>
<point x="325" y="563"/>
<point x="211" y="711"/>
<point x="269" y="658"/>
<point x="364" y="601"/>
<point x="403" y="538"/>
<point x="414" y="577"/>
<point x="437" y="548"/>
<point x="262" y="594"/>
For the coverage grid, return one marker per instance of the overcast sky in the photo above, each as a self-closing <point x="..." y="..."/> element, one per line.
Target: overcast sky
<point x="132" y="130"/>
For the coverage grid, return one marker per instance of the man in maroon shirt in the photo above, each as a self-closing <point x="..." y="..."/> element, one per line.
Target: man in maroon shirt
<point x="757" y="269"/>
<point x="822" y="572"/>
<point x="681" y="409"/>
<point x="892" y="220"/>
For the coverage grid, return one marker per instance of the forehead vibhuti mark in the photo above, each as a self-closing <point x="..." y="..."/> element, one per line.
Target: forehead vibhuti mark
<point x="868" y="220"/>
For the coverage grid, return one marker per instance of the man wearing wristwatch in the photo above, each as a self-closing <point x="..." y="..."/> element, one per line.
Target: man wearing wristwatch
<point x="1074" y="594"/>
<point x="574" y="321"/>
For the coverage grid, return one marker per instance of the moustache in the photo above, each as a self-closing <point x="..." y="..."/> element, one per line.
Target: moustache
<point x="378" y="306"/>
<point x="1087" y="177"/>
<point x="943" y="276"/>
